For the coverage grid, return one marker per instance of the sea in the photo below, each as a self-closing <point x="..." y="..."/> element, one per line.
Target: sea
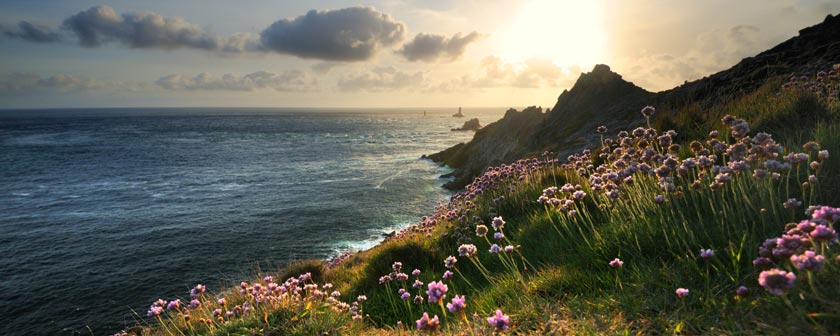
<point x="103" y="211"/>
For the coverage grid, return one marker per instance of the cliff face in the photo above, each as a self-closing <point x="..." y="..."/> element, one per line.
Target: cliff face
<point x="496" y="143"/>
<point x="602" y="97"/>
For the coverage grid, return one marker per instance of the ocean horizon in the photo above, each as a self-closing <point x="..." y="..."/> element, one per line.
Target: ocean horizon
<point x="106" y="210"/>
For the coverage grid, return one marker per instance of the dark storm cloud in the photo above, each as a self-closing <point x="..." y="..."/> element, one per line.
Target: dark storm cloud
<point x="291" y="80"/>
<point x="101" y="24"/>
<point x="349" y="34"/>
<point x="28" y="31"/>
<point x="341" y="35"/>
<point x="431" y="47"/>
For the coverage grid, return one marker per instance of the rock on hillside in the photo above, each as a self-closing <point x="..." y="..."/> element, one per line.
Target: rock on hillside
<point x="469" y="125"/>
<point x="600" y="97"/>
<point x="499" y="142"/>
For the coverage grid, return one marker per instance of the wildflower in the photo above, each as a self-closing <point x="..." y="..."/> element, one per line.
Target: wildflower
<point x="417" y="284"/>
<point x="826" y="213"/>
<point x="450" y="261"/>
<point x="776" y="281"/>
<point x="822" y="233"/>
<point x="197" y="290"/>
<point x="659" y="199"/>
<point x="174" y="305"/>
<point x="682" y="293"/>
<point x="509" y="249"/>
<point x="447" y="275"/>
<point x="335" y="294"/>
<point x="418" y="299"/>
<point x="228" y="313"/>
<point x="499" y="321"/>
<point x="648" y="111"/>
<point x="792" y="203"/>
<point x="809" y="261"/>
<point x="217" y="312"/>
<point x="495" y="249"/>
<point x="601" y="129"/>
<point x="498" y="236"/>
<point x="498" y="223"/>
<point x="822" y="155"/>
<point x="397" y="266"/>
<point x="406" y="296"/>
<point x="195" y="303"/>
<point x="742" y="291"/>
<point x="762" y="261"/>
<point x="222" y="301"/>
<point x="707" y="254"/>
<point x="384" y="279"/>
<point x="154" y="311"/>
<point x="437" y="291"/>
<point x="811" y="146"/>
<point x="467" y="250"/>
<point x="428" y="324"/>
<point x="457" y="304"/>
<point x="268" y="279"/>
<point x="480" y="230"/>
<point x="616" y="263"/>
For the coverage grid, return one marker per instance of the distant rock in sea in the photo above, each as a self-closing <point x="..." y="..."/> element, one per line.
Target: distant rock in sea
<point x="469" y="125"/>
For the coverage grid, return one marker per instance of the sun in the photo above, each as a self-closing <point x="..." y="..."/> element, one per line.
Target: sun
<point x="569" y="33"/>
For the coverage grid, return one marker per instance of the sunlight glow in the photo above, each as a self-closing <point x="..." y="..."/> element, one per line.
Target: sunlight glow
<point x="566" y="32"/>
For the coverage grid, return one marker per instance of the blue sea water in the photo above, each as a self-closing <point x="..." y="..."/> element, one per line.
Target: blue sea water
<point x="104" y="211"/>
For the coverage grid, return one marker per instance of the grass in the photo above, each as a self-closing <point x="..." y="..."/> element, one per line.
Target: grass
<point x="556" y="277"/>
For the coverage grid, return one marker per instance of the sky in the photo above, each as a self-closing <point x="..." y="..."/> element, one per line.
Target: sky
<point x="386" y="53"/>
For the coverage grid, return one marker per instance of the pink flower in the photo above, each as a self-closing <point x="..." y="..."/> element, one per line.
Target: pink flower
<point x="776" y="281"/>
<point x="428" y="324"/>
<point x="682" y="293"/>
<point x="616" y="263"/>
<point x="499" y="321"/>
<point x="437" y="291"/>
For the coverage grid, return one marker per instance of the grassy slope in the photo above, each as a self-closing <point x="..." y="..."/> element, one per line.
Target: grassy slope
<point x="560" y="282"/>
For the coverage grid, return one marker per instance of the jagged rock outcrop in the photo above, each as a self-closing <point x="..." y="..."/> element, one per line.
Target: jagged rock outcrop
<point x="496" y="143"/>
<point x="469" y="125"/>
<point x="602" y="97"/>
<point x="599" y="97"/>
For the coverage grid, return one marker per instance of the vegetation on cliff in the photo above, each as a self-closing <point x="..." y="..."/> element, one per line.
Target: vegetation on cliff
<point x="650" y="231"/>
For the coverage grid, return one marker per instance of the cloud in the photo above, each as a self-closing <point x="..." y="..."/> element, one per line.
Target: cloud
<point x="493" y="72"/>
<point x="23" y="83"/>
<point x="349" y="34"/>
<point x="323" y="68"/>
<point x="31" y="32"/>
<point x="342" y="35"/>
<point x="101" y="24"/>
<point x="531" y="73"/>
<point x="291" y="80"/>
<point x="712" y="51"/>
<point x="431" y="47"/>
<point x="381" y="79"/>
